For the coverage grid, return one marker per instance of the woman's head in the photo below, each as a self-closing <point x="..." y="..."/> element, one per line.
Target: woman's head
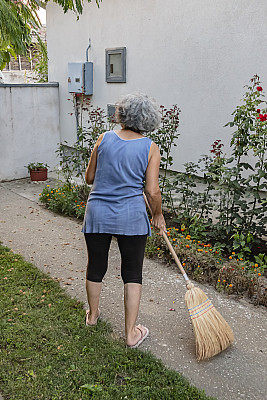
<point x="138" y="112"/>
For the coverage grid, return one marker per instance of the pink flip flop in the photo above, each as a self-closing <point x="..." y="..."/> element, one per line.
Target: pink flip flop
<point x="143" y="337"/>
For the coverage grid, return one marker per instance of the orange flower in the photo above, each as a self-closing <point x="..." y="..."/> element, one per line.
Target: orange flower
<point x="259" y="273"/>
<point x="230" y="285"/>
<point x="230" y="257"/>
<point x="256" y="265"/>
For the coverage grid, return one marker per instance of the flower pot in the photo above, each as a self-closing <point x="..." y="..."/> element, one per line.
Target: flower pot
<point x="38" y="174"/>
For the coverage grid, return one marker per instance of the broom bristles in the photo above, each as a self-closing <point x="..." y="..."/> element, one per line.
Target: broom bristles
<point x="212" y="332"/>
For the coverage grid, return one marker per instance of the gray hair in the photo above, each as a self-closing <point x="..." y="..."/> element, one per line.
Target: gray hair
<point x="138" y="112"/>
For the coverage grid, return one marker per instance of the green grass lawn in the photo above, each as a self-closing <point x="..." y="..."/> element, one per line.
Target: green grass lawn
<point x="48" y="353"/>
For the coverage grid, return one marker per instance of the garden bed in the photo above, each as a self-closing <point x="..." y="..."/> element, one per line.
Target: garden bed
<point x="206" y="264"/>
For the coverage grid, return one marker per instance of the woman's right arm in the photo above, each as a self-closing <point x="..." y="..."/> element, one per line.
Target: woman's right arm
<point x="152" y="189"/>
<point x="91" y="168"/>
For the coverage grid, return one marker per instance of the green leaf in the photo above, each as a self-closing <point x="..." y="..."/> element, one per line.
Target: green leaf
<point x="91" y="387"/>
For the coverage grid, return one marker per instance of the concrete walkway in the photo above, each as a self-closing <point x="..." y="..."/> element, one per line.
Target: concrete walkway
<point x="56" y="245"/>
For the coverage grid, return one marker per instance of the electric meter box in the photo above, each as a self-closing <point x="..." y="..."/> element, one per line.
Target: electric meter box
<point x="80" y="78"/>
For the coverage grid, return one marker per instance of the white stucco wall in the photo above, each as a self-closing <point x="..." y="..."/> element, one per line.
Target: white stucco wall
<point x="197" y="54"/>
<point x="29" y="128"/>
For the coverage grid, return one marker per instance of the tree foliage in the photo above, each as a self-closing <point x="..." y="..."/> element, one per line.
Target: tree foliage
<point x="19" y="18"/>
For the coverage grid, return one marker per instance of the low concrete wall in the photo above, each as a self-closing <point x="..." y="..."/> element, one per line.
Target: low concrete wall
<point x="29" y="127"/>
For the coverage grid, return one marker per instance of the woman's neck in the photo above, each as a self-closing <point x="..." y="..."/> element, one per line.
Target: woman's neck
<point x="128" y="134"/>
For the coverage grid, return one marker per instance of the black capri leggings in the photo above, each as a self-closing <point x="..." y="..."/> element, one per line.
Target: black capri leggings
<point x="132" y="249"/>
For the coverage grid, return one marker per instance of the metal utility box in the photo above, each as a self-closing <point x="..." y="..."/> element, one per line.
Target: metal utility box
<point x="80" y="78"/>
<point x="111" y="110"/>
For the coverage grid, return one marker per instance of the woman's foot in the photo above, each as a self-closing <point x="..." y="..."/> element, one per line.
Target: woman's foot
<point x="135" y="338"/>
<point x="90" y="319"/>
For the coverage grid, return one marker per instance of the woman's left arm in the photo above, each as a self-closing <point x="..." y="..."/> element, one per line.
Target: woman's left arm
<point x="91" y="168"/>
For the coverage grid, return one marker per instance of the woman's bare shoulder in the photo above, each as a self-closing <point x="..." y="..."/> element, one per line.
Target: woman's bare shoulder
<point x="154" y="151"/>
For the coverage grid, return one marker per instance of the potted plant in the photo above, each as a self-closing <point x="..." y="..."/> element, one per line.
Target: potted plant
<point x="38" y="171"/>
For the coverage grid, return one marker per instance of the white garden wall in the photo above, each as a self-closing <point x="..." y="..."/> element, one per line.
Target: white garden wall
<point x="29" y="127"/>
<point x="198" y="54"/>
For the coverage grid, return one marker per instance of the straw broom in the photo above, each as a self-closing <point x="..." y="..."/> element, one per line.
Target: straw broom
<point x="212" y="332"/>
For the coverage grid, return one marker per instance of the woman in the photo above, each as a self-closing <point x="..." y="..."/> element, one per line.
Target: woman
<point x="119" y="163"/>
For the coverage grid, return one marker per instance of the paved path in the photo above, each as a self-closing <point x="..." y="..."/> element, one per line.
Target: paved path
<point x="56" y="245"/>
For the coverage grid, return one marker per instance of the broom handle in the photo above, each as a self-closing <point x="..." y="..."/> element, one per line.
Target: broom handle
<point x="176" y="259"/>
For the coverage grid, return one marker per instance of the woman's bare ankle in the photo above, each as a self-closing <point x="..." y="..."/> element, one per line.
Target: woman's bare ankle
<point x="133" y="336"/>
<point x="92" y="317"/>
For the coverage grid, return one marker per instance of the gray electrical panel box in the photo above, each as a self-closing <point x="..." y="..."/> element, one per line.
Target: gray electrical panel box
<point x="111" y="110"/>
<point x="80" y="78"/>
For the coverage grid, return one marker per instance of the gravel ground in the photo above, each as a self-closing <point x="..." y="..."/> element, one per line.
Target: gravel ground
<point x="56" y="245"/>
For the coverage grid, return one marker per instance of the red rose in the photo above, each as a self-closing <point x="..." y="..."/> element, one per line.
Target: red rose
<point x="262" y="117"/>
<point x="259" y="88"/>
<point x="258" y="110"/>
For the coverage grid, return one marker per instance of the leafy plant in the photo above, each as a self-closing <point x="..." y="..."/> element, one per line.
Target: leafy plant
<point x="41" y="66"/>
<point x="232" y="203"/>
<point x="36" y="166"/>
<point x="241" y="244"/>
<point x="17" y="19"/>
<point x="65" y="199"/>
<point x="90" y="122"/>
<point x="165" y="138"/>
<point x="261" y="262"/>
<point x="249" y="138"/>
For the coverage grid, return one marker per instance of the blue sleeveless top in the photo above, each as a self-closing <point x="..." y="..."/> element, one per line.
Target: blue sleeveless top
<point x="115" y="204"/>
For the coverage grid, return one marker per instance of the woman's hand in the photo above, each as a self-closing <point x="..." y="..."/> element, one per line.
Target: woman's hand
<point x="158" y="222"/>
